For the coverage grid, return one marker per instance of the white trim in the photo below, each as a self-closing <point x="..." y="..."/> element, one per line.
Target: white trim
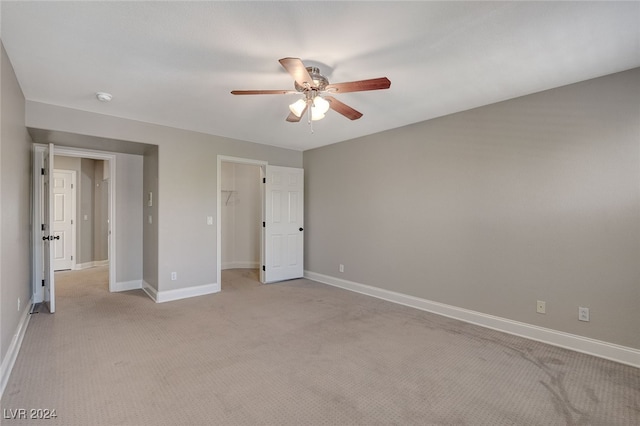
<point x="241" y="265"/>
<point x="14" y="347"/>
<point x="227" y="159"/>
<point x="150" y="291"/>
<point x="610" y="351"/>
<point x="180" y="293"/>
<point x="81" y="266"/>
<point x="37" y="266"/>
<point x="128" y="285"/>
<point x="87" y="265"/>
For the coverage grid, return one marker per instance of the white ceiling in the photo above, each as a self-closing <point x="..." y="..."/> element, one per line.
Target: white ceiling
<point x="174" y="63"/>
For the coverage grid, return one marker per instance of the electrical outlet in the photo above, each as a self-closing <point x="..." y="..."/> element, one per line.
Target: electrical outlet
<point x="541" y="307"/>
<point x="174" y="276"/>
<point x="341" y="268"/>
<point x="583" y="314"/>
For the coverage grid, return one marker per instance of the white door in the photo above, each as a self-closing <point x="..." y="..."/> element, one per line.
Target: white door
<point x="63" y="216"/>
<point x="284" y="224"/>
<point x="47" y="235"/>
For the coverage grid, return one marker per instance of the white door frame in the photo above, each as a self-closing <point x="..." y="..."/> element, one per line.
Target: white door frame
<point x="226" y="159"/>
<point x="74" y="186"/>
<point x="38" y="261"/>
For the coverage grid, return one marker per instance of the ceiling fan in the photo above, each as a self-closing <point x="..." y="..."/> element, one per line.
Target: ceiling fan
<point x="316" y="91"/>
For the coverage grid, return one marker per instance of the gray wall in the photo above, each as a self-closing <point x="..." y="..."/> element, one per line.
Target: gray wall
<point x="86" y="207"/>
<point x="129" y="227"/>
<point x="535" y="198"/>
<point x="15" y="190"/>
<point x="101" y="212"/>
<point x="186" y="187"/>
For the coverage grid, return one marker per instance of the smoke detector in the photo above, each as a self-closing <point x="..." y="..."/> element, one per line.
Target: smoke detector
<point x="104" y="96"/>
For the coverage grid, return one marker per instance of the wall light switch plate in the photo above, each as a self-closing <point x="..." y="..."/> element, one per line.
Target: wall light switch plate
<point x="209" y="220"/>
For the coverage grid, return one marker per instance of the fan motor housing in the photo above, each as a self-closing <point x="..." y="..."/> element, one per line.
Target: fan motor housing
<point x="320" y="82"/>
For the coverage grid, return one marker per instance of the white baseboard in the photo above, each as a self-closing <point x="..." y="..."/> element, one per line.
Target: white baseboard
<point x="241" y="265"/>
<point x="128" y="285"/>
<point x="610" y="351"/>
<point x="14" y="347"/>
<point x="180" y="293"/>
<point x="81" y="266"/>
<point x="87" y="265"/>
<point x="151" y="292"/>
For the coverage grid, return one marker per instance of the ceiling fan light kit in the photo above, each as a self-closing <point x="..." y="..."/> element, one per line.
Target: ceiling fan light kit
<point x="309" y="82"/>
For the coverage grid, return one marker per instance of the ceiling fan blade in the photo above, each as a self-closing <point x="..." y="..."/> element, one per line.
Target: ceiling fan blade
<point x="292" y="118"/>
<point x="359" y="86"/>
<point x="262" y="92"/>
<point x="298" y="71"/>
<point x="343" y="108"/>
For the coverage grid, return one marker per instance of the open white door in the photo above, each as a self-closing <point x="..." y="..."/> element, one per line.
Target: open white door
<point x="47" y="232"/>
<point x="284" y="224"/>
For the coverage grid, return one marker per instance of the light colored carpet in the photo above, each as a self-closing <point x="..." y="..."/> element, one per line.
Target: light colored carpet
<point x="296" y="353"/>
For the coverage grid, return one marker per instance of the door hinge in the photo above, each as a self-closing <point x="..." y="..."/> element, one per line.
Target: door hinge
<point x="42" y="283"/>
<point x="71" y="257"/>
<point x="43" y="227"/>
<point x="72" y="221"/>
<point x="42" y="171"/>
<point x="264" y="180"/>
<point x="71" y="186"/>
<point x="264" y="268"/>
<point x="264" y="224"/>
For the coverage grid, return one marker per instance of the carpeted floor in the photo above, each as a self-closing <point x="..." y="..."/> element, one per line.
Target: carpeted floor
<point x="295" y="353"/>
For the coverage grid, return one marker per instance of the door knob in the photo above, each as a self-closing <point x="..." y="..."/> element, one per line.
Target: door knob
<point x="51" y="237"/>
<point x="301" y="229"/>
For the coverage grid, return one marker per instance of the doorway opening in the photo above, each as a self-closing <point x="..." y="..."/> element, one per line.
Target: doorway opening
<point x="240" y="212"/>
<point x="81" y="213"/>
<point x="93" y="240"/>
<point x="282" y="219"/>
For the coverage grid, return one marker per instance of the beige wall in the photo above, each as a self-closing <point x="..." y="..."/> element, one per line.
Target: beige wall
<point x="536" y="198"/>
<point x="15" y="214"/>
<point x="186" y="194"/>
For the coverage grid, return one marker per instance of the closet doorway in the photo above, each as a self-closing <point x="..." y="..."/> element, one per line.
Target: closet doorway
<point x="240" y="215"/>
